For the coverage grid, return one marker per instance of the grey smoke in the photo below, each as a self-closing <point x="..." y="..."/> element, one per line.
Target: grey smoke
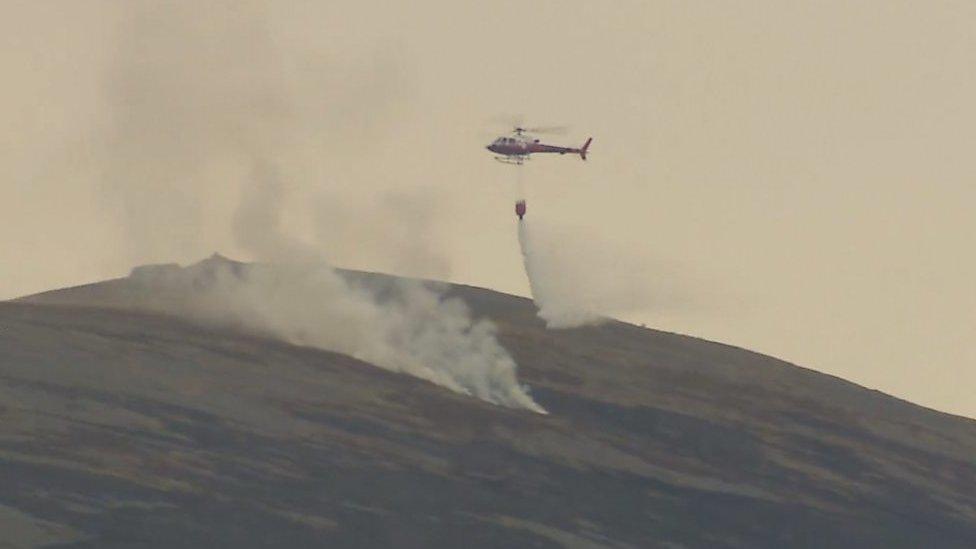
<point x="201" y="109"/>
<point x="193" y="94"/>
<point x="302" y="299"/>
<point x="394" y="229"/>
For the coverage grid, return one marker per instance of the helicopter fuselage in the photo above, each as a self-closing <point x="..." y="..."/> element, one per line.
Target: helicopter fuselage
<point x="520" y="147"/>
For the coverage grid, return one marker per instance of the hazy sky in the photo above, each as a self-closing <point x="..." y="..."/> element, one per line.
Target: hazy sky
<point x="795" y="178"/>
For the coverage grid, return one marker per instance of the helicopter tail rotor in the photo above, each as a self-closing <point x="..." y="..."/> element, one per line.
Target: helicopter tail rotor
<point x="583" y="149"/>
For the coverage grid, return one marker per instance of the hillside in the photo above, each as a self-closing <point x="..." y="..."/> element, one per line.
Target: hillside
<point x="123" y="426"/>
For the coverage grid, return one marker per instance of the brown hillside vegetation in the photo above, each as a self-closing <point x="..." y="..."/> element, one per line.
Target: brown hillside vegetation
<point x="125" y="427"/>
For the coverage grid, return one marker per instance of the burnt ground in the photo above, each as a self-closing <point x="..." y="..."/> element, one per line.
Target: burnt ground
<point x="121" y="428"/>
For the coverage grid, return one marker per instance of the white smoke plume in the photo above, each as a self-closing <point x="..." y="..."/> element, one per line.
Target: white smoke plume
<point x="416" y="331"/>
<point x="301" y="299"/>
<point x="202" y="105"/>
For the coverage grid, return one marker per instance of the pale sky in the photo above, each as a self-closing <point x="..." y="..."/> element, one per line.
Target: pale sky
<point x="794" y="178"/>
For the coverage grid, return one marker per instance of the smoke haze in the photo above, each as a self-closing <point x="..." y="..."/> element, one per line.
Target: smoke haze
<point x="190" y="102"/>
<point x="811" y="164"/>
<point x="300" y="298"/>
<point x="204" y="111"/>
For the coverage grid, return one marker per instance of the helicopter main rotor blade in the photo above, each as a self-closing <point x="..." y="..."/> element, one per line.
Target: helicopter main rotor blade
<point x="552" y="130"/>
<point x="509" y="120"/>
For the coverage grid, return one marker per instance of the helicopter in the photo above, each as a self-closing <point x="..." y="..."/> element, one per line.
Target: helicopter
<point x="516" y="148"/>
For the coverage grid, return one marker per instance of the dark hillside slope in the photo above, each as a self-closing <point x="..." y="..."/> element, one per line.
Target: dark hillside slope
<point x="122" y="428"/>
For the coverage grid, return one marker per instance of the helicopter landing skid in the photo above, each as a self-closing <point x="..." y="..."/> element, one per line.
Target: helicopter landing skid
<point x="514" y="160"/>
